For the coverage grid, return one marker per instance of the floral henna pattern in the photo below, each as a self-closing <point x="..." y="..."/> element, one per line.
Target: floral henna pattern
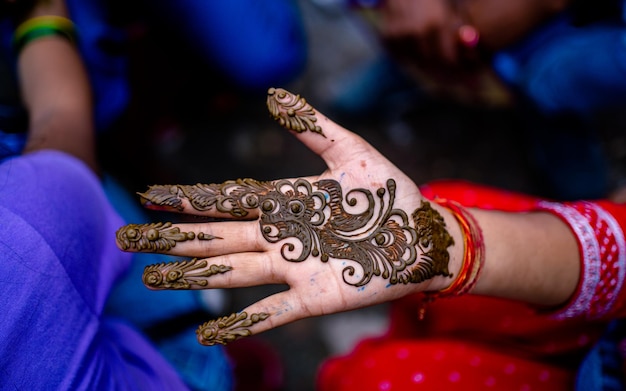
<point x="181" y="274"/>
<point x="379" y="240"/>
<point x="292" y="111"/>
<point x="154" y="237"/>
<point x="228" y="328"/>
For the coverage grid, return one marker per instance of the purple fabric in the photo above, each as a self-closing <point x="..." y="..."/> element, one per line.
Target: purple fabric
<point x="58" y="262"/>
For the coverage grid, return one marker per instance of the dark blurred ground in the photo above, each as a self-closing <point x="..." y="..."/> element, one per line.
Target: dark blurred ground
<point x="186" y="125"/>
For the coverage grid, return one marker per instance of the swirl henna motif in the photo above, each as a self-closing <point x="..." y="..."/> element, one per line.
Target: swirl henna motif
<point x="228" y="328"/>
<point x="154" y="237"/>
<point x="379" y="240"/>
<point x="181" y="274"/>
<point x="292" y="111"/>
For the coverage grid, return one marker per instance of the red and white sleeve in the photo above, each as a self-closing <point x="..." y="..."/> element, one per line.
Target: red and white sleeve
<point x="598" y="226"/>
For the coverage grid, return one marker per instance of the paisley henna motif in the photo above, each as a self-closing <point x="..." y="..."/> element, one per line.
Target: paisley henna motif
<point x="153" y="237"/>
<point x="228" y="328"/>
<point x="181" y="274"/>
<point x="292" y="111"/>
<point x="379" y="240"/>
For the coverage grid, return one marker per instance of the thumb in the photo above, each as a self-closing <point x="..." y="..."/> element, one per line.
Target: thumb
<point x="333" y="143"/>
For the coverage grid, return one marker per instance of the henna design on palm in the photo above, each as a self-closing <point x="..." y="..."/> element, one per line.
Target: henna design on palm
<point x="380" y="240"/>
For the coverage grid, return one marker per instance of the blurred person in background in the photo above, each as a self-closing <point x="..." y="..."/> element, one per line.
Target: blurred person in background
<point x="559" y="62"/>
<point x="62" y="328"/>
<point x="238" y="45"/>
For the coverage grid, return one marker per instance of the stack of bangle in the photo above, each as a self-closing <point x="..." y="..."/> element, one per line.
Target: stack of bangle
<point x="43" y="26"/>
<point x="474" y="252"/>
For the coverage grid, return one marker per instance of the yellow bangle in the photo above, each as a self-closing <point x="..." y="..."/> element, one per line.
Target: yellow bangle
<point x="43" y="26"/>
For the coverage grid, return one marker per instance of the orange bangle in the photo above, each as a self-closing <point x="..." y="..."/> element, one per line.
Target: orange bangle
<point x="473" y="254"/>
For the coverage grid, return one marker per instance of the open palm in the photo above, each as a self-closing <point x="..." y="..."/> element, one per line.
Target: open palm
<point x="357" y="235"/>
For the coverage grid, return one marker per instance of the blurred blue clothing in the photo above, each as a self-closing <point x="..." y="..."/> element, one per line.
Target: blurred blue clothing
<point x="568" y="73"/>
<point x="258" y="44"/>
<point x="58" y="262"/>
<point x="602" y="368"/>
<point x="564" y="68"/>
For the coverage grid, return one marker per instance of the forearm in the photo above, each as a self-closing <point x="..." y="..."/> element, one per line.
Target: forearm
<point x="56" y="92"/>
<point x="531" y="257"/>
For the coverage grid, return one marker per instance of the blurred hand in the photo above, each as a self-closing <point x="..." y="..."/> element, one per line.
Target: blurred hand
<point x="446" y="32"/>
<point x="426" y="31"/>
<point x="359" y="234"/>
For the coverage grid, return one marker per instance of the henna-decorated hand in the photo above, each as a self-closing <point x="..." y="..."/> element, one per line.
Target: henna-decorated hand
<point x="359" y="234"/>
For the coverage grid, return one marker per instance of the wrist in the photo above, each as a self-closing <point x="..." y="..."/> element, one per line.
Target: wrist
<point x="466" y="255"/>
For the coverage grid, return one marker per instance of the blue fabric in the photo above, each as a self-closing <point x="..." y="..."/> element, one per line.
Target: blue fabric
<point x="563" y="68"/>
<point x="11" y="144"/>
<point x="58" y="262"/>
<point x="258" y="44"/>
<point x="202" y="367"/>
<point x="568" y="74"/>
<point x="601" y="370"/>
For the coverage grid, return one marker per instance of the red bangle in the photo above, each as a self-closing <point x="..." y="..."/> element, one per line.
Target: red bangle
<point x="473" y="252"/>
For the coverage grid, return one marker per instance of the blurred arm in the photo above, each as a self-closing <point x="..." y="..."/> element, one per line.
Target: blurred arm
<point x="56" y="92"/>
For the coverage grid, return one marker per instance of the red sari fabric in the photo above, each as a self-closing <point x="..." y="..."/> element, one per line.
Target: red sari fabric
<point x="468" y="342"/>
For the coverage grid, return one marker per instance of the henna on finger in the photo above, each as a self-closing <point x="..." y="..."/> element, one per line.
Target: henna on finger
<point x="228" y="328"/>
<point x="192" y="274"/>
<point x="154" y="237"/>
<point x="292" y="111"/>
<point x="232" y="197"/>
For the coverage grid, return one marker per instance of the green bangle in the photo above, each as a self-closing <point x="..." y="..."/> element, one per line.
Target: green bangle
<point x="43" y="26"/>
